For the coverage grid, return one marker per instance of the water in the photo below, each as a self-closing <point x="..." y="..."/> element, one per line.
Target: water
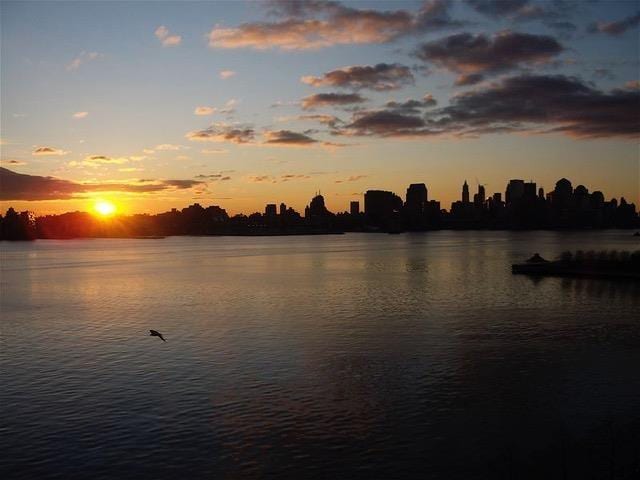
<point x="361" y="355"/>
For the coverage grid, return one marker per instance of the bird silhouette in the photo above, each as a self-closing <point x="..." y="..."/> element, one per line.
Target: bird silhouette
<point x="156" y="334"/>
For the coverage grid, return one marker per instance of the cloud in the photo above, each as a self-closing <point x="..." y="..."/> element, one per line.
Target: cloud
<point x="412" y="106"/>
<point x="224" y="74"/>
<point x="287" y="138"/>
<point x="42" y="151"/>
<point x="386" y="123"/>
<point x="82" y="58"/>
<point x="168" y="147"/>
<point x="352" y="178"/>
<point x="204" y="110"/>
<point x="98" y="161"/>
<point x="223" y="133"/>
<point x="468" y="79"/>
<point x="543" y="104"/>
<point x="380" y="77"/>
<point x="166" y="39"/>
<point x="79" y="115"/>
<point x="214" y="177"/>
<point x="468" y="54"/>
<point x="288" y="177"/>
<point x="524" y="103"/>
<point x="13" y="162"/>
<point x="522" y="10"/>
<point x="498" y="8"/>
<point x="325" y="99"/>
<point x="262" y="178"/>
<point x="230" y="106"/>
<point x="210" y="177"/>
<point x="320" y="24"/>
<point x="281" y="103"/>
<point x="615" y="28"/>
<point x="328" y="120"/>
<point x="214" y="151"/>
<point x="18" y="186"/>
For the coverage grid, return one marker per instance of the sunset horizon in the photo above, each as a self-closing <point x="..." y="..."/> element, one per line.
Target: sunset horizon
<point x="244" y="109"/>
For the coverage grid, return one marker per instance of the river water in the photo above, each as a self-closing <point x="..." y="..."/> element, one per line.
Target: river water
<point x="357" y="355"/>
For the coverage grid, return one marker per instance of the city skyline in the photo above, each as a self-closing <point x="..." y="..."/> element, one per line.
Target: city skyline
<point x="524" y="205"/>
<point x="229" y="103"/>
<point x="467" y="193"/>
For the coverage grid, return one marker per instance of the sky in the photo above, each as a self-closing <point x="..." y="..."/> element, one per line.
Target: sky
<point x="155" y="105"/>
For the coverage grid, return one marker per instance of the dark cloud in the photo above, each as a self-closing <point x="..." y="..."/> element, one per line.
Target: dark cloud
<point x="180" y="184"/>
<point x="287" y="138"/>
<point x="214" y="177"/>
<point x="468" y="54"/>
<point x="523" y="10"/>
<point x="318" y="24"/>
<point x="524" y="103"/>
<point x="469" y="79"/>
<point x="328" y="120"/>
<point x="498" y="8"/>
<point x="544" y="104"/>
<point x="18" y="186"/>
<point x="288" y="177"/>
<point x="209" y="177"/>
<point x="380" y="77"/>
<point x="48" y="151"/>
<point x="223" y="133"/>
<point x="325" y="99"/>
<point x="13" y="162"/>
<point x="386" y="123"/>
<point x="412" y="106"/>
<point x="615" y="28"/>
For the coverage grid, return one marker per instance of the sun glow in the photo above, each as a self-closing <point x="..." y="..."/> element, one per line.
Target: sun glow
<point x="104" y="208"/>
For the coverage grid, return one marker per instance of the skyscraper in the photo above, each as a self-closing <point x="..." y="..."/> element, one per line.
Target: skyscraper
<point x="480" y="198"/>
<point x="271" y="210"/>
<point x="380" y="207"/>
<point x="354" y="207"/>
<point x="465" y="192"/>
<point x="417" y="197"/>
<point x="515" y="191"/>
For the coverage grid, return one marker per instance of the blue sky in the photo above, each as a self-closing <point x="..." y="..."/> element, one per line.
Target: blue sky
<point x="105" y="63"/>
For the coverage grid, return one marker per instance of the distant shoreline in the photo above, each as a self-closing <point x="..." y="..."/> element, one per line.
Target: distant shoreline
<point x="316" y="233"/>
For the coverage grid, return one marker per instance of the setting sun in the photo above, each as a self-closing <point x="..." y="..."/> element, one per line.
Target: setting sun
<point x="104" y="208"/>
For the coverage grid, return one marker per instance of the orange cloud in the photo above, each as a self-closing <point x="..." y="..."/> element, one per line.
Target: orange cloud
<point x="167" y="40"/>
<point x="314" y="25"/>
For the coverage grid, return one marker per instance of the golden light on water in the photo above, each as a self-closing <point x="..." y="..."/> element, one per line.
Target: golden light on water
<point x="104" y="208"/>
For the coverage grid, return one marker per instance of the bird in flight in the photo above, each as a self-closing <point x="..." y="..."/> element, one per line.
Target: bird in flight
<point x="156" y="334"/>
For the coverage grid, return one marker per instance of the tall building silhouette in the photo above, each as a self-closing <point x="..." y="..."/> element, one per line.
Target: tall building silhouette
<point x="515" y="191"/>
<point x="381" y="208"/>
<point x="417" y="196"/>
<point x="465" y="192"/>
<point x="480" y="198"/>
<point x="354" y="207"/>
<point x="270" y="210"/>
<point x="415" y="207"/>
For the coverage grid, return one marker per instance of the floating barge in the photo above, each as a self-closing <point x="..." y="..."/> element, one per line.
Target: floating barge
<point x="621" y="265"/>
